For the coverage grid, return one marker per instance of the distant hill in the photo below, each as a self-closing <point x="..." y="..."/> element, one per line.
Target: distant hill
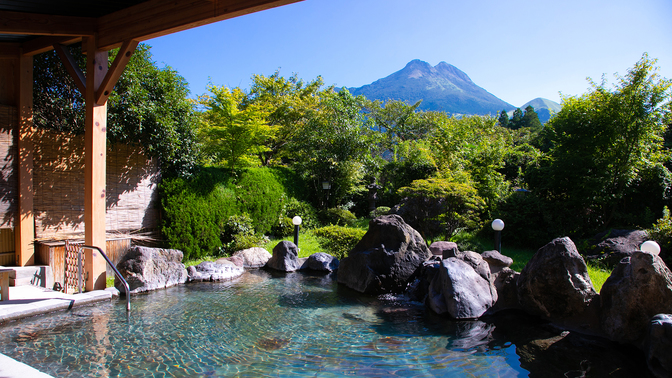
<point x="442" y="87"/>
<point x="543" y="107"/>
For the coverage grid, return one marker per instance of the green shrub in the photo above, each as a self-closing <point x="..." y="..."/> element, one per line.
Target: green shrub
<point x="380" y="210"/>
<point x="261" y="196"/>
<point x="242" y="241"/>
<point x="193" y="211"/>
<point x="440" y="207"/>
<point x="305" y="210"/>
<point x="285" y="227"/>
<point x="338" y="216"/>
<point x="338" y="240"/>
<point x="661" y="232"/>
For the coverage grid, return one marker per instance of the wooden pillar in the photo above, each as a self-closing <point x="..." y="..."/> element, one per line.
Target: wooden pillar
<point x="95" y="156"/>
<point x="24" y="235"/>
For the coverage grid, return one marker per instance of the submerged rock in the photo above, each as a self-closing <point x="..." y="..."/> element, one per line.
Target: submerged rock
<point x="285" y="257"/>
<point x="148" y="269"/>
<point x="639" y="288"/>
<point x="385" y="259"/>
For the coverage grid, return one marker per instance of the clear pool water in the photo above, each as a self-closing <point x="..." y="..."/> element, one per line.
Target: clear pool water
<point x="259" y="325"/>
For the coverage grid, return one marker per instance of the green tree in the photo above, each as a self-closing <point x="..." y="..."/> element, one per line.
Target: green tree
<point x="606" y="159"/>
<point x="333" y="147"/>
<point x="291" y="103"/>
<point x="516" y="120"/>
<point x="440" y="207"/>
<point x="503" y="119"/>
<point x="149" y="106"/>
<point x="232" y="135"/>
<point x="531" y="119"/>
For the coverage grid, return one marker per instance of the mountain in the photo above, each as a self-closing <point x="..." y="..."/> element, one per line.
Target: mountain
<point x="442" y="87"/>
<point x="543" y="107"/>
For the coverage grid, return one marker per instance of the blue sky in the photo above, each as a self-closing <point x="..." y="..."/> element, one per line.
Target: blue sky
<point x="516" y="49"/>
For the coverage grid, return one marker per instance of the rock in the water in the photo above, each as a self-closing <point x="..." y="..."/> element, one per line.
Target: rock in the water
<point x="419" y="288"/>
<point x="658" y="346"/>
<point x="639" y="288"/>
<point x="610" y="247"/>
<point x="148" y="269"/>
<point x="254" y="257"/>
<point x="496" y="261"/>
<point x="444" y="249"/>
<point x="555" y="283"/>
<point x="505" y="282"/>
<point x="460" y="291"/>
<point x="386" y="257"/>
<point x="322" y="262"/>
<point x="285" y="257"/>
<point x="214" y="271"/>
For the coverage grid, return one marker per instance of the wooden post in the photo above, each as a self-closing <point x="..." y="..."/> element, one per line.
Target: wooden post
<point x="25" y="223"/>
<point x="95" y="156"/>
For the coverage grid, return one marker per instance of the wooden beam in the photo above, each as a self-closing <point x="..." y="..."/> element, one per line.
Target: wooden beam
<point x="94" y="170"/>
<point x="155" y="18"/>
<point x="24" y="235"/>
<point x="42" y="24"/>
<point x="115" y="71"/>
<point x="9" y="50"/>
<point x="71" y="66"/>
<point x="44" y="44"/>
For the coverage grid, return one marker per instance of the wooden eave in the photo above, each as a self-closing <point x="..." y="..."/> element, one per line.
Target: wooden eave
<point x="150" y="19"/>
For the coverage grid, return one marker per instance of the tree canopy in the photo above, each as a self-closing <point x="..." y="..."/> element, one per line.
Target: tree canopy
<point x="149" y="106"/>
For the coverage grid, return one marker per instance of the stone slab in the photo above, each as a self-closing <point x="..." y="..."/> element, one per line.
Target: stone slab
<point x="11" y="368"/>
<point x="26" y="301"/>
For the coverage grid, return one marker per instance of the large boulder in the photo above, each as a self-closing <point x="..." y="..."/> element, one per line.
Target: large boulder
<point x="148" y="269"/>
<point x="386" y="257"/>
<point x="639" y="288"/>
<point x="419" y="288"/>
<point x="285" y="257"/>
<point x="658" y="346"/>
<point x="555" y="285"/>
<point x="254" y="257"/>
<point x="321" y="262"/>
<point x="610" y="247"/>
<point x="496" y="261"/>
<point x="505" y="282"/>
<point x="460" y="291"/>
<point x="214" y="271"/>
<point x="444" y="249"/>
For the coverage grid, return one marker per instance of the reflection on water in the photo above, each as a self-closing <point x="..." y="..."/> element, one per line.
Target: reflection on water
<point x="271" y="324"/>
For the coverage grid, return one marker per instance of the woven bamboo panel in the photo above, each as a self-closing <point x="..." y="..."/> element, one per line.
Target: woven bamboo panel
<point x="8" y="166"/>
<point x="131" y="189"/>
<point x="73" y="266"/>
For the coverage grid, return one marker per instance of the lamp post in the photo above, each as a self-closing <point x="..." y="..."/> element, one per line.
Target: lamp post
<point x="296" y="221"/>
<point x="498" y="226"/>
<point x="326" y="186"/>
<point x="651" y="247"/>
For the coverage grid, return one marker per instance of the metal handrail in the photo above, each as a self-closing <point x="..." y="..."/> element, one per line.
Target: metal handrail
<point x="116" y="272"/>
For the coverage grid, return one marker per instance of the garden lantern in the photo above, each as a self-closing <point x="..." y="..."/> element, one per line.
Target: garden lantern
<point x="498" y="226"/>
<point x="651" y="247"/>
<point x="296" y="221"/>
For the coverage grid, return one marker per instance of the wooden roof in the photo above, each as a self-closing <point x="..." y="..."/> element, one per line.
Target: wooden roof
<point x="34" y="26"/>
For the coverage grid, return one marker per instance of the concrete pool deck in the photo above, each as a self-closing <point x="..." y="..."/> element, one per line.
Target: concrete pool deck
<point x="26" y="301"/>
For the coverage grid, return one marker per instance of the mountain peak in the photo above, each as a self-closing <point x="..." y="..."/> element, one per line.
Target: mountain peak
<point x="443" y="87"/>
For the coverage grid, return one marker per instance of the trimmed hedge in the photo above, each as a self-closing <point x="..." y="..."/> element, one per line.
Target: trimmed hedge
<point x="195" y="210"/>
<point x="339" y="240"/>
